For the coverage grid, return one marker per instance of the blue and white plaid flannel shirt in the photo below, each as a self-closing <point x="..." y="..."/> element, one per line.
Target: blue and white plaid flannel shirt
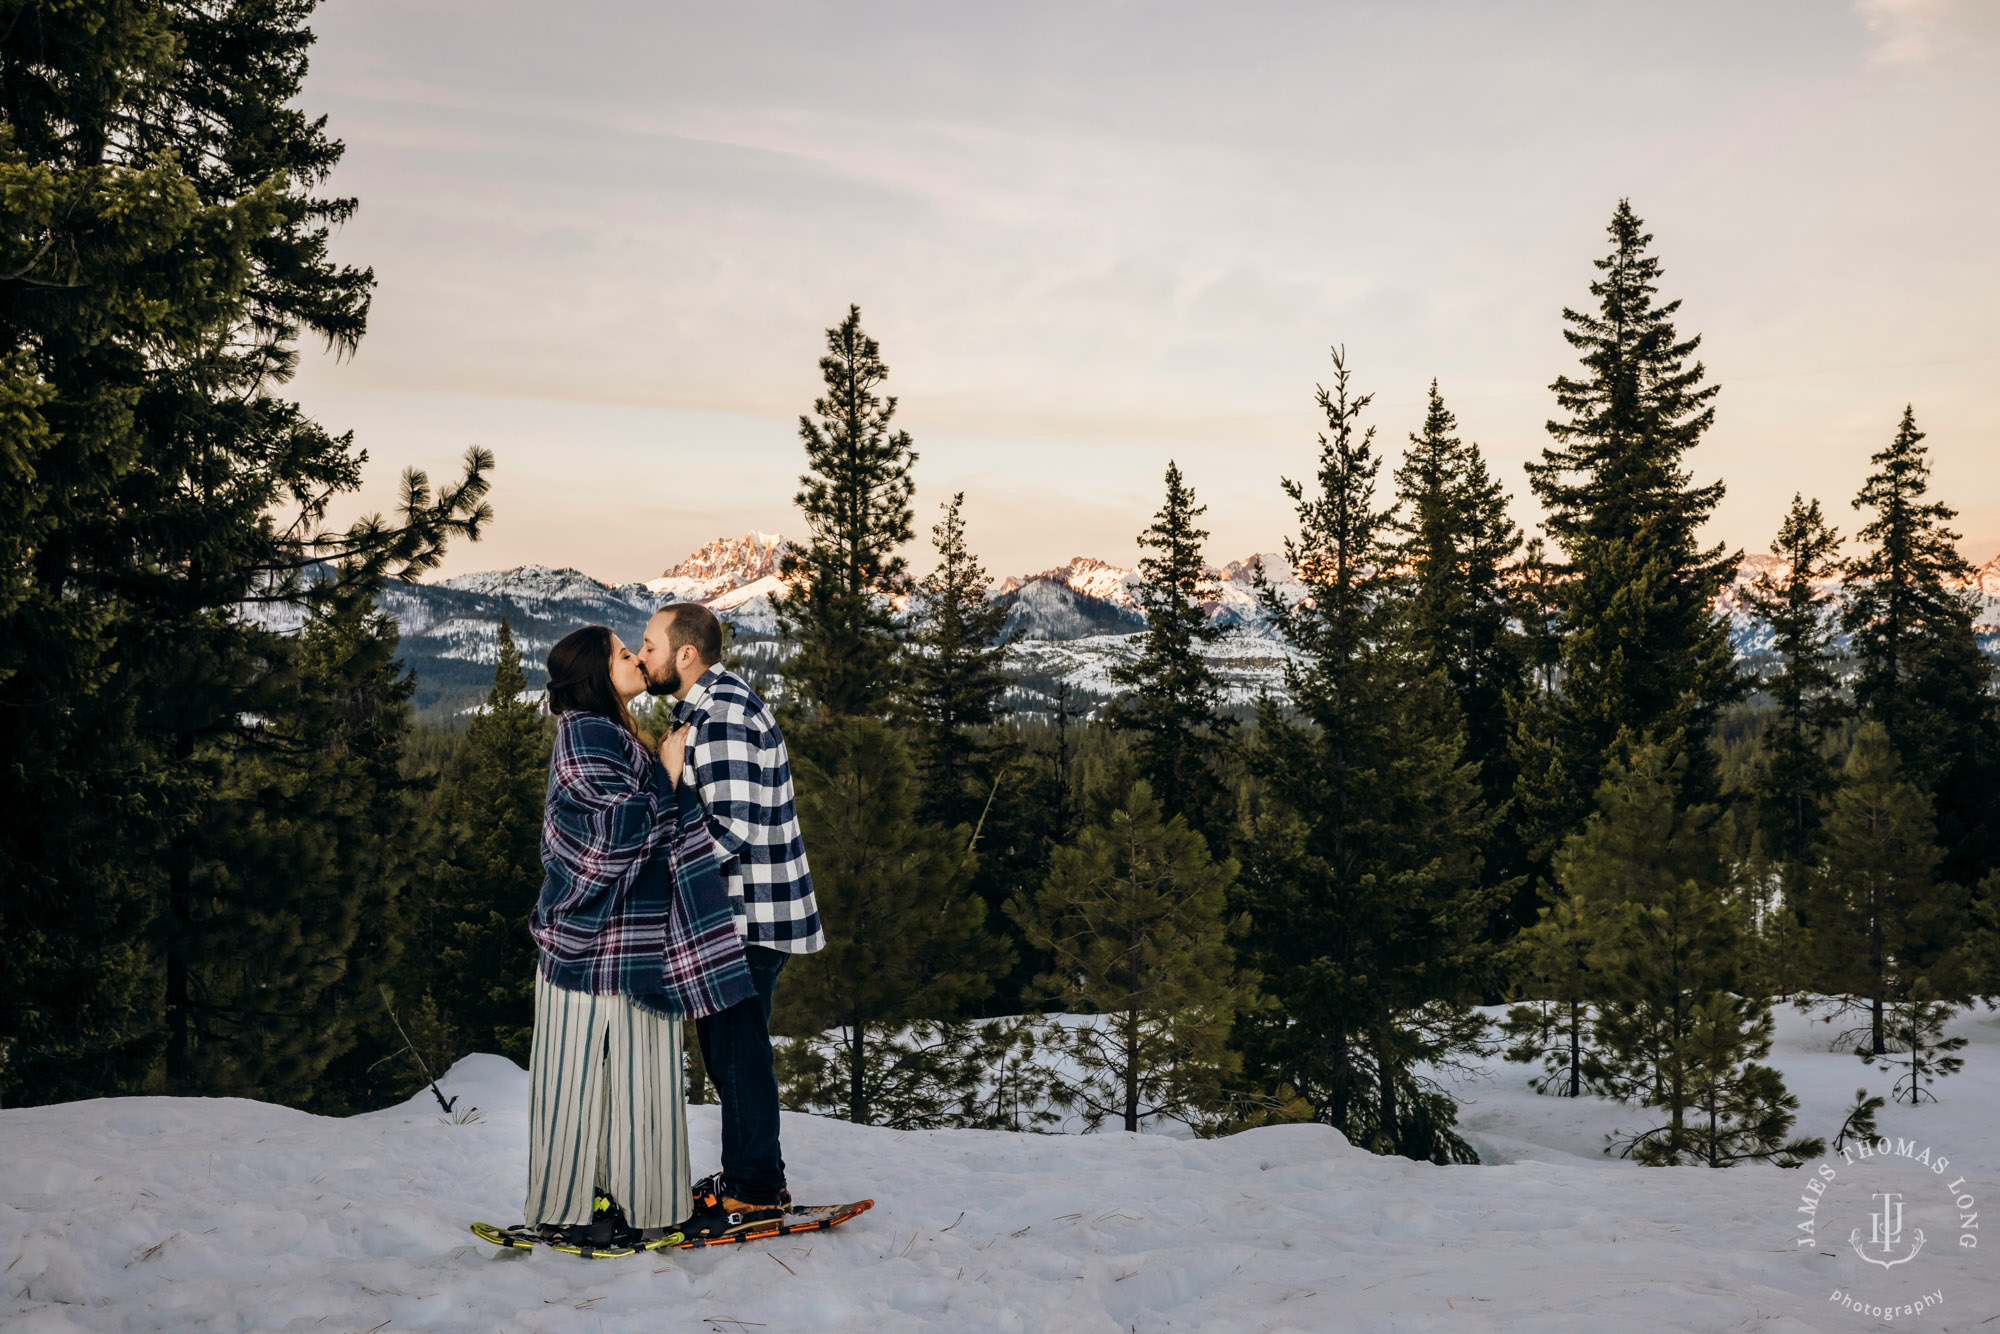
<point x="738" y="760"/>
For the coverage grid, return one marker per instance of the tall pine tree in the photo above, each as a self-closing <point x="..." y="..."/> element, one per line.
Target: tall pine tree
<point x="856" y="500"/>
<point x="318" y="819"/>
<point x="78" y="998"/>
<point x="170" y="250"/>
<point x="1805" y="687"/>
<point x="1919" y="671"/>
<point x="1641" y="646"/>
<point x="1791" y="785"/>
<point x="1363" y="884"/>
<point x="1880" y="915"/>
<point x="1456" y="541"/>
<point x="977" y="768"/>
<point x="1173" y="704"/>
<point x="957" y="675"/>
<point x="488" y="874"/>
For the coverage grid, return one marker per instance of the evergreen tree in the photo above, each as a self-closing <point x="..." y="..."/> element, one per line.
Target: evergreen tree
<point x="1742" y="1110"/>
<point x="1858" y="1126"/>
<point x="318" y="819"/>
<point x="1641" y="648"/>
<point x="169" y="249"/>
<point x="1655" y="872"/>
<point x="1543" y="804"/>
<point x="1676" y="1028"/>
<point x="98" y="257"/>
<point x="1173" y="704"/>
<point x="1781" y="945"/>
<point x="1535" y="589"/>
<point x="1023" y="818"/>
<point x="382" y="810"/>
<point x="1363" y="885"/>
<point x="1134" y="923"/>
<point x="1919" y="671"/>
<point x="957" y="674"/>
<point x="856" y="501"/>
<point x="1308" y="932"/>
<point x="1456" y="539"/>
<point x="1880" y="915"/>
<point x="907" y="943"/>
<point x="1977" y="958"/>
<point x="488" y="876"/>
<point x="1559" y="965"/>
<point x="1805" y="688"/>
<point x="1791" y="787"/>
<point x="1916" y="1025"/>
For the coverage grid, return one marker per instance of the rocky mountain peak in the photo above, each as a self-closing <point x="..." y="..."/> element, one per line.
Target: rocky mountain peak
<point x="731" y="562"/>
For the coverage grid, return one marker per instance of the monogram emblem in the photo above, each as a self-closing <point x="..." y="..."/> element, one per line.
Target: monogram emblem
<point x="1885" y="1234"/>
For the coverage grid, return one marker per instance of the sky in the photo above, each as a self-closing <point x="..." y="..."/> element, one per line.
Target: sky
<point x="1094" y="235"/>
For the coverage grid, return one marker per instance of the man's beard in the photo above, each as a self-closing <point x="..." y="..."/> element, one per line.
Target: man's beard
<point x="669" y="686"/>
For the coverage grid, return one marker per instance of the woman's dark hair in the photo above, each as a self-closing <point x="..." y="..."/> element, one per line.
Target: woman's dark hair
<point x="580" y="677"/>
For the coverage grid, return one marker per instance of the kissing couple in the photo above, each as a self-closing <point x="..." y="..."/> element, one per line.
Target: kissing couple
<point x="675" y="888"/>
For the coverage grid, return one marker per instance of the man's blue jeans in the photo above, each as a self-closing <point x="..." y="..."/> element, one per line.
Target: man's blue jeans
<point x="736" y="1048"/>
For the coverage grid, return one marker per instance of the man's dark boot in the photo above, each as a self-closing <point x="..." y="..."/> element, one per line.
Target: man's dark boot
<point x="719" y="1215"/>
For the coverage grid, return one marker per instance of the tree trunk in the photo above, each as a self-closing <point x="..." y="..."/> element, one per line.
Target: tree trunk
<point x="1575" y="1049"/>
<point x="1876" y="963"/>
<point x="1132" y="1070"/>
<point x="1337" y="1102"/>
<point x="857" y="1088"/>
<point x="1385" y="1081"/>
<point x="180" y="930"/>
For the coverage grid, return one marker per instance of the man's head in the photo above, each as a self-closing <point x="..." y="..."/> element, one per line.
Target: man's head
<point x="683" y="640"/>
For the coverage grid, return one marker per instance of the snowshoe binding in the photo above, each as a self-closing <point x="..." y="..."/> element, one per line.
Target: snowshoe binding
<point x="608" y="1236"/>
<point x="721" y="1220"/>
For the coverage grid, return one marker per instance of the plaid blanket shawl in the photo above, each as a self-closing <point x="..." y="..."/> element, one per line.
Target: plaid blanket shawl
<point x="632" y="898"/>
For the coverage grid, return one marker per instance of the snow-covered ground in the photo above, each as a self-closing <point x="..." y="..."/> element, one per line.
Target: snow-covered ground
<point x="1249" y="662"/>
<point x="192" y="1214"/>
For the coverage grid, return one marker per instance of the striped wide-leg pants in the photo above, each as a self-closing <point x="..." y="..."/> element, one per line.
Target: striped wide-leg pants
<point x="607" y="1110"/>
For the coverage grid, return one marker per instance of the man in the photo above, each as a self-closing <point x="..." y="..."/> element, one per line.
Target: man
<point x="737" y="761"/>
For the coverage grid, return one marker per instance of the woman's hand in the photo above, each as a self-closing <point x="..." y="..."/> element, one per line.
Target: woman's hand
<point x="673" y="753"/>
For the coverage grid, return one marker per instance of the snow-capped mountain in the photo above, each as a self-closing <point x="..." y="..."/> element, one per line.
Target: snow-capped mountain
<point x="1048" y="609"/>
<point x="1087" y="575"/>
<point x="723" y="566"/>
<point x="1094" y="582"/>
<point x="1069" y="623"/>
<point x="1736" y="603"/>
<point x="450" y="629"/>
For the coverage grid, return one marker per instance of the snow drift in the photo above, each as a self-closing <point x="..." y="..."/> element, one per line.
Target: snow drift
<point x="192" y="1214"/>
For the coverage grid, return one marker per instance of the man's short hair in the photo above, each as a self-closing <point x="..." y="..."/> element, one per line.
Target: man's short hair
<point x="692" y="623"/>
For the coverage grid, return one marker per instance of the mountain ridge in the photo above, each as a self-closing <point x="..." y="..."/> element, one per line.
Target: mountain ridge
<point x="1069" y="623"/>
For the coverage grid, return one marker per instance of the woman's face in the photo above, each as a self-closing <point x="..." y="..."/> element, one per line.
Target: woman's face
<point x="628" y="674"/>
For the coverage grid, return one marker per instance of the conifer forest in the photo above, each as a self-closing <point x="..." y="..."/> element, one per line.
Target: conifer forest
<point x="1507" y="768"/>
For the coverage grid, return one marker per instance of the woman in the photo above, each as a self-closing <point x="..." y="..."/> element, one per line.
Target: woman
<point x="636" y="934"/>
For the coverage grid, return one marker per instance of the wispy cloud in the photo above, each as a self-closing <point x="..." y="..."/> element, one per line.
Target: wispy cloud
<point x="1925" y="32"/>
<point x="1093" y="235"/>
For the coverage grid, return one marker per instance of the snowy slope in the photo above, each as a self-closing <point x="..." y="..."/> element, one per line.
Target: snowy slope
<point x="218" y="1214"/>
